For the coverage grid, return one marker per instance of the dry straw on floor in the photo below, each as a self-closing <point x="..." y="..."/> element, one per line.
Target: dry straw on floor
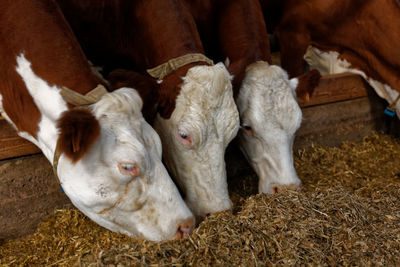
<point x="348" y="213"/>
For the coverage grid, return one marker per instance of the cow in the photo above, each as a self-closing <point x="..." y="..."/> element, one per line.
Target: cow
<point x="196" y="113"/>
<point x="344" y="36"/>
<point x="106" y="157"/>
<point x="266" y="98"/>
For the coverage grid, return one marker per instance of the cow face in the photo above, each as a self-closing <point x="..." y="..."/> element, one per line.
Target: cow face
<point x="110" y="160"/>
<point x="204" y="121"/>
<point x="269" y="117"/>
<point x="120" y="182"/>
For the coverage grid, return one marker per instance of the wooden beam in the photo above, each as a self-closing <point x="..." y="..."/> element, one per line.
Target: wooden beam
<point x="337" y="87"/>
<point x="11" y="145"/>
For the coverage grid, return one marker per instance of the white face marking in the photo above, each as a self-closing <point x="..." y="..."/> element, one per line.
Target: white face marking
<point x="147" y="205"/>
<point x="329" y="63"/>
<point x="269" y="116"/>
<point x="204" y="121"/>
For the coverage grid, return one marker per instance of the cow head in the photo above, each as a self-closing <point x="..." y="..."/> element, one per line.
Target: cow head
<point x="269" y="116"/>
<point x="204" y="121"/>
<point x="110" y="167"/>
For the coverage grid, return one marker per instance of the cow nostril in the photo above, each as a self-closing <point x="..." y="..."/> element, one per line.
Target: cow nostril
<point x="208" y="215"/>
<point x="184" y="229"/>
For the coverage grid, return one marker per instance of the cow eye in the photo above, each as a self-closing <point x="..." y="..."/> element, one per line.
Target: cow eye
<point x="184" y="137"/>
<point x="130" y="168"/>
<point x="247" y="129"/>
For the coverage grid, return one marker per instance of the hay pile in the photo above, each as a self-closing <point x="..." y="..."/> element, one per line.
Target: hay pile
<point x="348" y="213"/>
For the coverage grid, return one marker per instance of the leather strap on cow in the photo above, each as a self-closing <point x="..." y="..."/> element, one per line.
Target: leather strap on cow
<point x="394" y="103"/>
<point x="57" y="154"/>
<point x="172" y="65"/>
<point x="391" y="109"/>
<point x="78" y="100"/>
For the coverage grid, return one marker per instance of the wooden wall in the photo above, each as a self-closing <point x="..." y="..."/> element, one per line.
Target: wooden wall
<point x="11" y="145"/>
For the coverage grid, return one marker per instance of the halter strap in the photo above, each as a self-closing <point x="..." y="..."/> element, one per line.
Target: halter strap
<point x="393" y="105"/>
<point x="172" y="65"/>
<point x="79" y="100"/>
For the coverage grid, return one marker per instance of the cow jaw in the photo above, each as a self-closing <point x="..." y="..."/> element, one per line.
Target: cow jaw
<point x="194" y="138"/>
<point x="269" y="117"/>
<point x="147" y="205"/>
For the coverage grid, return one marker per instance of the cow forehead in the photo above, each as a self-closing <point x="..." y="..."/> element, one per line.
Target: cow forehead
<point x="124" y="101"/>
<point x="267" y="99"/>
<point x="206" y="98"/>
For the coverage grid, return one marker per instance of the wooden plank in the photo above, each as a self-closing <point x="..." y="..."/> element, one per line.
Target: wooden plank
<point x="333" y="87"/>
<point x="11" y="145"/>
<point x="337" y="87"/>
<point x="350" y="120"/>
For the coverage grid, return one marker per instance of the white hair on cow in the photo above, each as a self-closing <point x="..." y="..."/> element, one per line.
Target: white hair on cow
<point x="276" y="94"/>
<point x="206" y="112"/>
<point x="269" y="116"/>
<point x="122" y="101"/>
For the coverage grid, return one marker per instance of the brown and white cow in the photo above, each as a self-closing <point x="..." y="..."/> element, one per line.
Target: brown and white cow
<point x="359" y="36"/>
<point x="197" y="116"/>
<point x="107" y="158"/>
<point x="265" y="97"/>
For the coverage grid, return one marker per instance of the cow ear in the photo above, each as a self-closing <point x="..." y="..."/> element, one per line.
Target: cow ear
<point x="78" y="129"/>
<point x="145" y="85"/>
<point x="307" y="84"/>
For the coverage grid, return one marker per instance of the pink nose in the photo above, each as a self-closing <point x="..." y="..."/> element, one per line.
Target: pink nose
<point x="281" y="188"/>
<point x="185" y="228"/>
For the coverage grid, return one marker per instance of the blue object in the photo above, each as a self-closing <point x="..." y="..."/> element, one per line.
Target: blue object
<point x="62" y="190"/>
<point x="389" y="112"/>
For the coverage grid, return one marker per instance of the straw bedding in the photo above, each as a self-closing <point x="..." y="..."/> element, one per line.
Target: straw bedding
<point x="347" y="213"/>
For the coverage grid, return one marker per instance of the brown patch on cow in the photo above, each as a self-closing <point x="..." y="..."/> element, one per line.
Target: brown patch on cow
<point x="170" y="89"/>
<point x="47" y="41"/>
<point x="141" y="35"/>
<point x="362" y="32"/>
<point x="146" y="86"/>
<point x="233" y="29"/>
<point x="78" y="131"/>
<point x="307" y="84"/>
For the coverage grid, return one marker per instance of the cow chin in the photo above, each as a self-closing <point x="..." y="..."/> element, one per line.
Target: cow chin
<point x="204" y="182"/>
<point x="272" y="161"/>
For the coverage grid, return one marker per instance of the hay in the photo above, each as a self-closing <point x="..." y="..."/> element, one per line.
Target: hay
<point x="348" y="213"/>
